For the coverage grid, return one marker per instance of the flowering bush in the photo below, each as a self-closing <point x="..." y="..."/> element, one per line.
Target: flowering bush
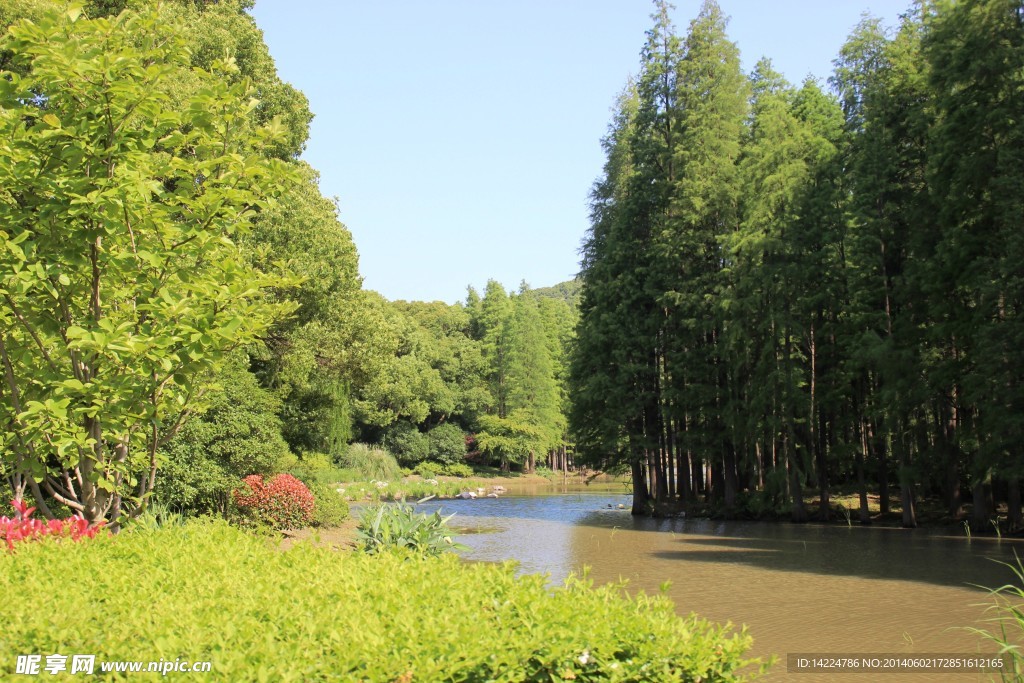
<point x="23" y="528"/>
<point x="283" y="502"/>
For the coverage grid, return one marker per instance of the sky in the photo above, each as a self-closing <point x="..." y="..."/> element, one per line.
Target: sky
<point x="461" y="137"/>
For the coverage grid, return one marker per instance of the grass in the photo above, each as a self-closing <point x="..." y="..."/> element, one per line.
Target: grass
<point x="406" y="489"/>
<point x="1008" y="630"/>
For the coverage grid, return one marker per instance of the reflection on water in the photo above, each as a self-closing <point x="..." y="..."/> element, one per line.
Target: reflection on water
<point x="799" y="588"/>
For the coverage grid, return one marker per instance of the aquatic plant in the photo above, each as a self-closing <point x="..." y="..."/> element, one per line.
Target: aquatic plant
<point x="398" y="525"/>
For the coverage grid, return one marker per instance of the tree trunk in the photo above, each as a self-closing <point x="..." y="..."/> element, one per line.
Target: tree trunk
<point x="730" y="482"/>
<point x="1013" y="506"/>
<point x="640" y="497"/>
<point x="798" y="511"/>
<point x="981" y="512"/>
<point x="883" y="471"/>
<point x="862" y="487"/>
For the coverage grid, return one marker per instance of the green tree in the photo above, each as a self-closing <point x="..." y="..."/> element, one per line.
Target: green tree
<point x="975" y="50"/>
<point x="649" y="340"/>
<point x="533" y="390"/>
<point x="123" y="281"/>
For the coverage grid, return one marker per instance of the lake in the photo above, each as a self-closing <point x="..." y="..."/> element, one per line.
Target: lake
<point x="799" y="588"/>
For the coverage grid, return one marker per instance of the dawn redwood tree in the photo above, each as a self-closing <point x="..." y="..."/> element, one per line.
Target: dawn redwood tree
<point x="976" y="171"/>
<point x="122" y="282"/>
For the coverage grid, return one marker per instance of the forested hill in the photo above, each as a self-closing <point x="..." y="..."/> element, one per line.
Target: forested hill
<point x="568" y="291"/>
<point x="793" y="286"/>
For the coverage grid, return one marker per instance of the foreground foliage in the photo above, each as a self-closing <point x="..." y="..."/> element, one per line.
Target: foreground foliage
<point x="1008" y="620"/>
<point x="206" y="591"/>
<point x="22" y="527"/>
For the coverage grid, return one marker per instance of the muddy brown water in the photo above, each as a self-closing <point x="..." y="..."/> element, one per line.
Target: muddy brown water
<point x="798" y="588"/>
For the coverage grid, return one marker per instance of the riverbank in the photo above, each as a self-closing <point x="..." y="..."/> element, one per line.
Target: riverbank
<point x="844" y="510"/>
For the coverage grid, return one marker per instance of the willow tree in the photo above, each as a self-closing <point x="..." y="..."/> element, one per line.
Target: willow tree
<point x="122" y="280"/>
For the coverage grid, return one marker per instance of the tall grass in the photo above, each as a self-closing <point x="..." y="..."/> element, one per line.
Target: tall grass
<point x="1008" y="630"/>
<point x="371" y="462"/>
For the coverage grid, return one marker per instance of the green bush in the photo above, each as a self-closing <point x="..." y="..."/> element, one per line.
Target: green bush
<point x="457" y="469"/>
<point x="427" y="470"/>
<point x="446" y="444"/>
<point x="408" y="443"/>
<point x="371" y="462"/>
<point x="317" y="468"/>
<point x="156" y="516"/>
<point x="331" y="508"/>
<point x="210" y="592"/>
<point x="238" y="435"/>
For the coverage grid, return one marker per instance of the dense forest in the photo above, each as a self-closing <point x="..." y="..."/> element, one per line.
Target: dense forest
<point x="798" y="287"/>
<point x="160" y="346"/>
<point x="785" y="289"/>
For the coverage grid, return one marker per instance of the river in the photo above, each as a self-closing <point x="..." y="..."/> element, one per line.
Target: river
<point x="825" y="589"/>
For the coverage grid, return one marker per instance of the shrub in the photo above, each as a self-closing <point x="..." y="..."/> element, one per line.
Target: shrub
<point x="397" y="525"/>
<point x="331" y="507"/>
<point x="447" y="444"/>
<point x="457" y="469"/>
<point x="22" y="527"/>
<point x="156" y="516"/>
<point x="210" y="592"/>
<point x="427" y="470"/>
<point x="317" y="468"/>
<point x="371" y="462"/>
<point x="283" y="502"/>
<point x="408" y="443"/>
<point x="239" y="434"/>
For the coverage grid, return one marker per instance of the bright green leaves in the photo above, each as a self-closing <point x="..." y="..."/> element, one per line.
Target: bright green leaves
<point x="117" y="207"/>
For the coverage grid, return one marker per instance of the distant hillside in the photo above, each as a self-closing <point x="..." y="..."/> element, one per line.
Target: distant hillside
<point x="568" y="291"/>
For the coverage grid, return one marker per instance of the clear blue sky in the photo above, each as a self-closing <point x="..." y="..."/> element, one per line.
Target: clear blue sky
<point x="461" y="137"/>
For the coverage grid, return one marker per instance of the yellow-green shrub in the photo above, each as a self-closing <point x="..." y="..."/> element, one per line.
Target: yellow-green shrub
<point x="209" y="592"/>
<point x="331" y="508"/>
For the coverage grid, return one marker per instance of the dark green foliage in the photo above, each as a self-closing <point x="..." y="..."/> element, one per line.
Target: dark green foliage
<point x="446" y="444"/>
<point x="408" y="444"/>
<point x="238" y="435"/>
<point x="818" y="289"/>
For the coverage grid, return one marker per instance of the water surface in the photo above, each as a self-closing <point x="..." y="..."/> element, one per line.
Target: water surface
<point x="799" y="588"/>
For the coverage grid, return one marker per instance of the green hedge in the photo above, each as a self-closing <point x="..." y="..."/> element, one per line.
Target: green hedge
<point x="209" y="592"/>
